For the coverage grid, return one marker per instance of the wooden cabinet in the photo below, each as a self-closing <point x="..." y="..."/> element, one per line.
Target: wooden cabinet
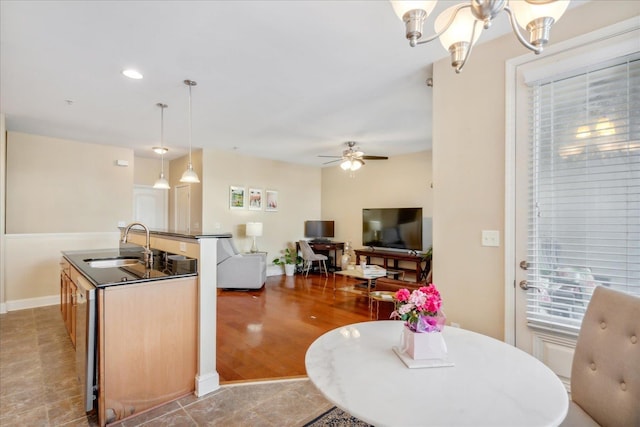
<point x="390" y="261"/>
<point x="147" y="345"/>
<point x="68" y="303"/>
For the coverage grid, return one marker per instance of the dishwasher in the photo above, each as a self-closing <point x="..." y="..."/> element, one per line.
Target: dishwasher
<point x="86" y="366"/>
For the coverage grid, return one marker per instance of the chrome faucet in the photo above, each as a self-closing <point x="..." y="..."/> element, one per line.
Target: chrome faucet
<point x="148" y="253"/>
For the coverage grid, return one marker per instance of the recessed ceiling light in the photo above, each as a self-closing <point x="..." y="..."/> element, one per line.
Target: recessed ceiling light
<point x="160" y="150"/>
<point x="132" y="74"/>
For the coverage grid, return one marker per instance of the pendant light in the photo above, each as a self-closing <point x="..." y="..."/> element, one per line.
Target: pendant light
<point x="162" y="182"/>
<point x="190" y="175"/>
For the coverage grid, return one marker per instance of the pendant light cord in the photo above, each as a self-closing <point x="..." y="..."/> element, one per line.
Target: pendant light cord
<point x="190" y="164"/>
<point x="162" y="107"/>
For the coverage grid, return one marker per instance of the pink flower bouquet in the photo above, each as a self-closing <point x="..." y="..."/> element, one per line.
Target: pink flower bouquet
<point x="420" y="309"/>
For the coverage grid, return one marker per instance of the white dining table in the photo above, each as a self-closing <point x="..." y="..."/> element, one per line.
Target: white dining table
<point x="491" y="383"/>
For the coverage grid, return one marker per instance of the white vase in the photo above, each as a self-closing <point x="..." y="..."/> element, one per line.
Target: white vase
<point x="289" y="269"/>
<point x="423" y="345"/>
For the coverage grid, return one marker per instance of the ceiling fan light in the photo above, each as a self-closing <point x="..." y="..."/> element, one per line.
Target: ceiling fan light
<point x="190" y="175"/>
<point x="346" y="165"/>
<point x="356" y="164"/>
<point x="160" y="150"/>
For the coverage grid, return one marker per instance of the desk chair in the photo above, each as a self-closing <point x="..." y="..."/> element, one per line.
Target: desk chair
<point x="605" y="375"/>
<point x="309" y="257"/>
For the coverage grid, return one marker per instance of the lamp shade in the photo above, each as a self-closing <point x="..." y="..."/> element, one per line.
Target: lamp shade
<point x="254" y="229"/>
<point x="526" y="12"/>
<point x="190" y="175"/>
<point x="161" y="183"/>
<point x="461" y="28"/>
<point x="402" y="7"/>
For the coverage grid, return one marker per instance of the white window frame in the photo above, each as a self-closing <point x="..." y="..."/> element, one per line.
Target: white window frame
<point x="598" y="46"/>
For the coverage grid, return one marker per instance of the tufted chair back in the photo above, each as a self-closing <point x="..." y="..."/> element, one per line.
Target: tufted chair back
<point x="605" y="375"/>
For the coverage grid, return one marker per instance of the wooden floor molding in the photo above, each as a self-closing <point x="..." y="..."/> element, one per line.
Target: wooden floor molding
<point x="264" y="334"/>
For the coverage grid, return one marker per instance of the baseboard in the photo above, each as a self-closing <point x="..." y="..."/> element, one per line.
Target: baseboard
<point x="23" y="304"/>
<point x="207" y="383"/>
<point x="274" y="270"/>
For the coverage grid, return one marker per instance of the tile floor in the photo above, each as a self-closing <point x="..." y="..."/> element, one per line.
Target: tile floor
<point x="38" y="386"/>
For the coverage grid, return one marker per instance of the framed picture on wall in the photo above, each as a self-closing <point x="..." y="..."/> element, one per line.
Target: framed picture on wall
<point x="236" y="197"/>
<point x="255" y="199"/>
<point x="271" y="203"/>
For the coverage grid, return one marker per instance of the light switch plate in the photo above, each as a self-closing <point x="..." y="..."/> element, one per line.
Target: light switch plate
<point x="183" y="247"/>
<point x="490" y="238"/>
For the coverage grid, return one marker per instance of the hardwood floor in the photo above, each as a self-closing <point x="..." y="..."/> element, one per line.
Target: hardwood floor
<point x="265" y="334"/>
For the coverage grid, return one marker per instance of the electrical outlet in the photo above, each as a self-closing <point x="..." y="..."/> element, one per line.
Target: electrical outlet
<point x="183" y="247"/>
<point x="490" y="238"/>
<point x="455" y="325"/>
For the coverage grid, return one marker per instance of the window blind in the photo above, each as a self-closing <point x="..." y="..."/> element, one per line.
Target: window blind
<point x="584" y="190"/>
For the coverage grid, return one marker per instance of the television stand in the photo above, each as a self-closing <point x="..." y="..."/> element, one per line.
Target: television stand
<point x="391" y="259"/>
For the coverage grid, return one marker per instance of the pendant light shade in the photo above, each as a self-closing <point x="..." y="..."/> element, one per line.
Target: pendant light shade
<point x="190" y="175"/>
<point x="161" y="182"/>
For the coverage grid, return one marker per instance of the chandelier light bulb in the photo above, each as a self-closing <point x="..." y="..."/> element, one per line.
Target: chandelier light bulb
<point x="402" y="7"/>
<point x="526" y="12"/>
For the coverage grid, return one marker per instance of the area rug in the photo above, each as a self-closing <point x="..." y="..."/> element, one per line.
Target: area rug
<point x="336" y="417"/>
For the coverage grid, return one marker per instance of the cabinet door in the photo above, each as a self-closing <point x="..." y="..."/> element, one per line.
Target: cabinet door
<point x="147" y="345"/>
<point x="73" y="310"/>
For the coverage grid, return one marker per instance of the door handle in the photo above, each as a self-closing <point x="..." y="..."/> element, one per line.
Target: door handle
<point x="524" y="285"/>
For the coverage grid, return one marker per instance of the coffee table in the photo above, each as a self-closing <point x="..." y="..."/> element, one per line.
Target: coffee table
<point x="357" y="273"/>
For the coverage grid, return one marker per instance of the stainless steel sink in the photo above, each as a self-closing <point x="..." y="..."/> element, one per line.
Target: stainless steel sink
<point x="111" y="262"/>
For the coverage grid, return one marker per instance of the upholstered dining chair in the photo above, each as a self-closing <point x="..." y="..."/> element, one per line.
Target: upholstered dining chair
<point x="309" y="257"/>
<point x="605" y="375"/>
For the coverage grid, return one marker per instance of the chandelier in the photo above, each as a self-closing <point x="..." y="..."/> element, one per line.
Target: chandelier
<point x="457" y="27"/>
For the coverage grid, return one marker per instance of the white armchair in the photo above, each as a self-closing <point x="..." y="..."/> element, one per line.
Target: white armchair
<point x="239" y="271"/>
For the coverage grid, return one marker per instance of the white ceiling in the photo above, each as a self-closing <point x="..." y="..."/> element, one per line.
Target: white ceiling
<point x="287" y="80"/>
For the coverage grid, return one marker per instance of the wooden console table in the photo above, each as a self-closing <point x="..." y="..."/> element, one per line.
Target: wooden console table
<point x="391" y="259"/>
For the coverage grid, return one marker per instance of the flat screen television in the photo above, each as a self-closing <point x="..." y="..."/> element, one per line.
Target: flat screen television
<point x="319" y="230"/>
<point x="394" y="228"/>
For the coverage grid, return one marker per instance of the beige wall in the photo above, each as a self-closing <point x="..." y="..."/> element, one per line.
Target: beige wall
<point x="176" y="168"/>
<point x="298" y="190"/>
<point x="61" y="186"/>
<point x="401" y="181"/>
<point x="61" y="195"/>
<point x="469" y="171"/>
<point x="146" y="171"/>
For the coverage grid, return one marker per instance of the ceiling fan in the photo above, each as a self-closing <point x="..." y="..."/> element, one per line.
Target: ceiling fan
<point x="352" y="158"/>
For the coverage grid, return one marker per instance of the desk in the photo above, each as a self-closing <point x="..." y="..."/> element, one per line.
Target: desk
<point x="390" y="260"/>
<point x="326" y="248"/>
<point x="491" y="384"/>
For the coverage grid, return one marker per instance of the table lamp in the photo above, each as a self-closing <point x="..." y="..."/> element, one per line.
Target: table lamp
<point x="254" y="229"/>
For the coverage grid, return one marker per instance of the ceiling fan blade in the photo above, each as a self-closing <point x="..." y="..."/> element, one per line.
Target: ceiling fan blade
<point x="331" y="161"/>
<point x="335" y="157"/>
<point x="375" y="157"/>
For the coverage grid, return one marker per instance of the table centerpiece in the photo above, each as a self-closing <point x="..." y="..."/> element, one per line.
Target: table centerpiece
<point x="424" y="320"/>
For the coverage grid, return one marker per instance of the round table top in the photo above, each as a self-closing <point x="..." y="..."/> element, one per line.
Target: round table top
<point x="491" y="383"/>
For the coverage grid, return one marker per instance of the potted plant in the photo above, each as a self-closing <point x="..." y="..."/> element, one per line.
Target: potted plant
<point x="289" y="259"/>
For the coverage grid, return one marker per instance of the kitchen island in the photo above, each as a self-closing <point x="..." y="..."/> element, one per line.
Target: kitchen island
<point x="148" y="347"/>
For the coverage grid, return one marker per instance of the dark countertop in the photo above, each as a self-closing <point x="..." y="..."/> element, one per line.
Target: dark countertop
<point x="165" y="266"/>
<point x="170" y="233"/>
